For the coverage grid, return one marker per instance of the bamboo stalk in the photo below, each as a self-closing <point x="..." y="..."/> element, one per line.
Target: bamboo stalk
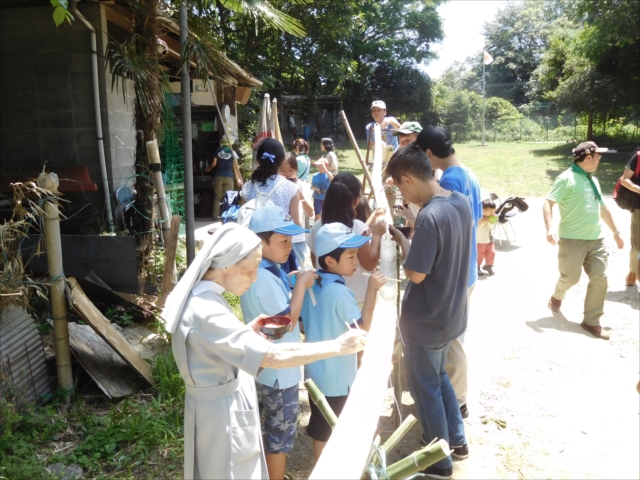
<point x="57" y="284"/>
<point x="321" y="402"/>
<point x="399" y="434"/>
<point x="396" y="359"/>
<point x="373" y="456"/>
<point x="419" y="460"/>
<point x="365" y="168"/>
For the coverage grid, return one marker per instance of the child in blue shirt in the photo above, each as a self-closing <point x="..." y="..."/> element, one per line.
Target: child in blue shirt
<point x="319" y="185"/>
<point x="336" y="247"/>
<point x="273" y="294"/>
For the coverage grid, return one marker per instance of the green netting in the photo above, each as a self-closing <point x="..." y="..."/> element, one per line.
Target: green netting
<point x="172" y="162"/>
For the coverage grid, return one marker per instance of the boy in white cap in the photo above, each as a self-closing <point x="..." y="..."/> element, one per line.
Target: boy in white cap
<point x="273" y="294"/>
<point x="336" y="247"/>
<point x="387" y="124"/>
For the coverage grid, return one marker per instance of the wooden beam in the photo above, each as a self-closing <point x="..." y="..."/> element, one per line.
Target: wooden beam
<point x="120" y="16"/>
<point x="109" y="334"/>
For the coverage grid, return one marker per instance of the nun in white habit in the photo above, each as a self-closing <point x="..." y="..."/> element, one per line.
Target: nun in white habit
<point x="219" y="357"/>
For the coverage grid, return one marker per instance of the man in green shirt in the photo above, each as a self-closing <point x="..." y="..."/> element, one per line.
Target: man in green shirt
<point x="581" y="244"/>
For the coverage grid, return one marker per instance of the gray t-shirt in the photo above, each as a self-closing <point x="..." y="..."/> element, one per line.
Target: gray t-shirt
<point x="434" y="312"/>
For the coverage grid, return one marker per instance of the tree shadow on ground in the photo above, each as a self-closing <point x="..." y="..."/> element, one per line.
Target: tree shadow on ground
<point x="627" y="297"/>
<point x="557" y="321"/>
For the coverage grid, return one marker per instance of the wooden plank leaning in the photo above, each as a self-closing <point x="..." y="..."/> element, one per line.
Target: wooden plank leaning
<point x="109" y="334"/>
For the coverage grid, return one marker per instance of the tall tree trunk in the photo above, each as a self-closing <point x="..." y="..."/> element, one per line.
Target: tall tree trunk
<point x="146" y="27"/>
<point x="590" y="126"/>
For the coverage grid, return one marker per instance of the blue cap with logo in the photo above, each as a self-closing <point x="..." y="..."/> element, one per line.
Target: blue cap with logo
<point x="272" y="218"/>
<point x="336" y="235"/>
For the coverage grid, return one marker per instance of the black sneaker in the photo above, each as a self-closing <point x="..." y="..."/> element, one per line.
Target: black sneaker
<point x="434" y="472"/>
<point x="488" y="269"/>
<point x="464" y="411"/>
<point x="460" y="452"/>
<point x="480" y="272"/>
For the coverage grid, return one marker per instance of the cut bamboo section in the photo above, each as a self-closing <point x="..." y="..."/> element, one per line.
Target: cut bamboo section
<point x="418" y="460"/>
<point x="321" y="402"/>
<point x="365" y="168"/>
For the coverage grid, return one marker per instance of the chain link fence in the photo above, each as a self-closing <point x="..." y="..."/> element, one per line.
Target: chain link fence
<point x="565" y="127"/>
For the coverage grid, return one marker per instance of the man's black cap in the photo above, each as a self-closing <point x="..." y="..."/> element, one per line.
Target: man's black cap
<point x="434" y="138"/>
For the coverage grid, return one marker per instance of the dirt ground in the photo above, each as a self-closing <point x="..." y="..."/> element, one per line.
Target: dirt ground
<point x="546" y="399"/>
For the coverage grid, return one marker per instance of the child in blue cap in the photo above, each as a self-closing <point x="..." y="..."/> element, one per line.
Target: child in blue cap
<point x="336" y="247"/>
<point x="273" y="294"/>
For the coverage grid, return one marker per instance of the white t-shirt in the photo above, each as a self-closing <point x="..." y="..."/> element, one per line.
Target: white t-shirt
<point x="281" y="197"/>
<point x="357" y="283"/>
<point x="332" y="159"/>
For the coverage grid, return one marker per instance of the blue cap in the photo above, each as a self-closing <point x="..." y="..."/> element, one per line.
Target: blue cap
<point x="272" y="218"/>
<point x="336" y="235"/>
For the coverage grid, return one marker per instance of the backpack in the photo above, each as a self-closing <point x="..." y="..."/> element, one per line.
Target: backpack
<point x="625" y="198"/>
<point x="262" y="199"/>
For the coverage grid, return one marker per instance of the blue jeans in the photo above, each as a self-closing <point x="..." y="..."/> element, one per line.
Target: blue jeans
<point x="436" y="402"/>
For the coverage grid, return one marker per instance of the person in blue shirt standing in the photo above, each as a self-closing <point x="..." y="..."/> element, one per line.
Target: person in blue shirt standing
<point x="319" y="184"/>
<point x="336" y="247"/>
<point x="436" y="142"/>
<point x="273" y="294"/>
<point x="387" y="124"/>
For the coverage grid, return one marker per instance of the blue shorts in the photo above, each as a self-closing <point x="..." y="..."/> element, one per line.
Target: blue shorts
<point x="317" y="206"/>
<point x="280" y="408"/>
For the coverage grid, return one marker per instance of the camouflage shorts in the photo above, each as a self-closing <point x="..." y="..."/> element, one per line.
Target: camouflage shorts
<point x="280" y="417"/>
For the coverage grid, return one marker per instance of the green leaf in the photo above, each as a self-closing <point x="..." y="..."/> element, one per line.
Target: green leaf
<point x="55" y="3"/>
<point x="59" y="14"/>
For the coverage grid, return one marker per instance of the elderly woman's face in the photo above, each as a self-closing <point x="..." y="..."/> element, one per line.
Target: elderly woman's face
<point x="240" y="276"/>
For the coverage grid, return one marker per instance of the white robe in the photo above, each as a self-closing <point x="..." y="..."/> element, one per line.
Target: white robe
<point x="217" y="357"/>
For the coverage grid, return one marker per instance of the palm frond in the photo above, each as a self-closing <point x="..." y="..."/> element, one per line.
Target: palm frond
<point x="210" y="58"/>
<point x="271" y="16"/>
<point x="128" y="61"/>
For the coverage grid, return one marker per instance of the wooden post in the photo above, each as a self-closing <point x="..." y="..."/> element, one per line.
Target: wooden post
<point x="367" y="175"/>
<point x="170" y="248"/>
<point x="49" y="181"/>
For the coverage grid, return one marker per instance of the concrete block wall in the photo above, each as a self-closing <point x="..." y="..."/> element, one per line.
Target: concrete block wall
<point x="46" y="98"/>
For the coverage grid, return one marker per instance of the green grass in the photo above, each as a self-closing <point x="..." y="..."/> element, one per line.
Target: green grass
<point x="138" y="437"/>
<point x="522" y="169"/>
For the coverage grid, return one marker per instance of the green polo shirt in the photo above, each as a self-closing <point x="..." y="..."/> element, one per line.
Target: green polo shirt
<point x="579" y="206"/>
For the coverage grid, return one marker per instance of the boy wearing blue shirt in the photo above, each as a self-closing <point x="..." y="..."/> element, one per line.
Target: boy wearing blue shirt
<point x="336" y="247"/>
<point x="273" y="294"/>
<point x="319" y="184"/>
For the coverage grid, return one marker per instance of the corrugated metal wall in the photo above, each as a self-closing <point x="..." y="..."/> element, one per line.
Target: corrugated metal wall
<point x="22" y="361"/>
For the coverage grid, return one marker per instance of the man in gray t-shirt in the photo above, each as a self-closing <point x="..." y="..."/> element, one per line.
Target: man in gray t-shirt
<point x="434" y="307"/>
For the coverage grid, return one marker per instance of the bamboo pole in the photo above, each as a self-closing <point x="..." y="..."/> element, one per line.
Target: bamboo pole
<point x="396" y="436"/>
<point x="170" y="248"/>
<point x="50" y="182"/>
<point x="396" y="359"/>
<point x="419" y="460"/>
<point x="365" y="169"/>
<point x="321" y="402"/>
<point x="399" y="434"/>
<point x="155" y="166"/>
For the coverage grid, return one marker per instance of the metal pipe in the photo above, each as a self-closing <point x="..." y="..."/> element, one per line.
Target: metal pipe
<point x="96" y="103"/>
<point x="186" y="139"/>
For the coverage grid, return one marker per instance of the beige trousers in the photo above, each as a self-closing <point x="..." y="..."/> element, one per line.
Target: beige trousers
<point x="573" y="256"/>
<point x="457" y="364"/>
<point x="221" y="185"/>
<point x="635" y="240"/>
